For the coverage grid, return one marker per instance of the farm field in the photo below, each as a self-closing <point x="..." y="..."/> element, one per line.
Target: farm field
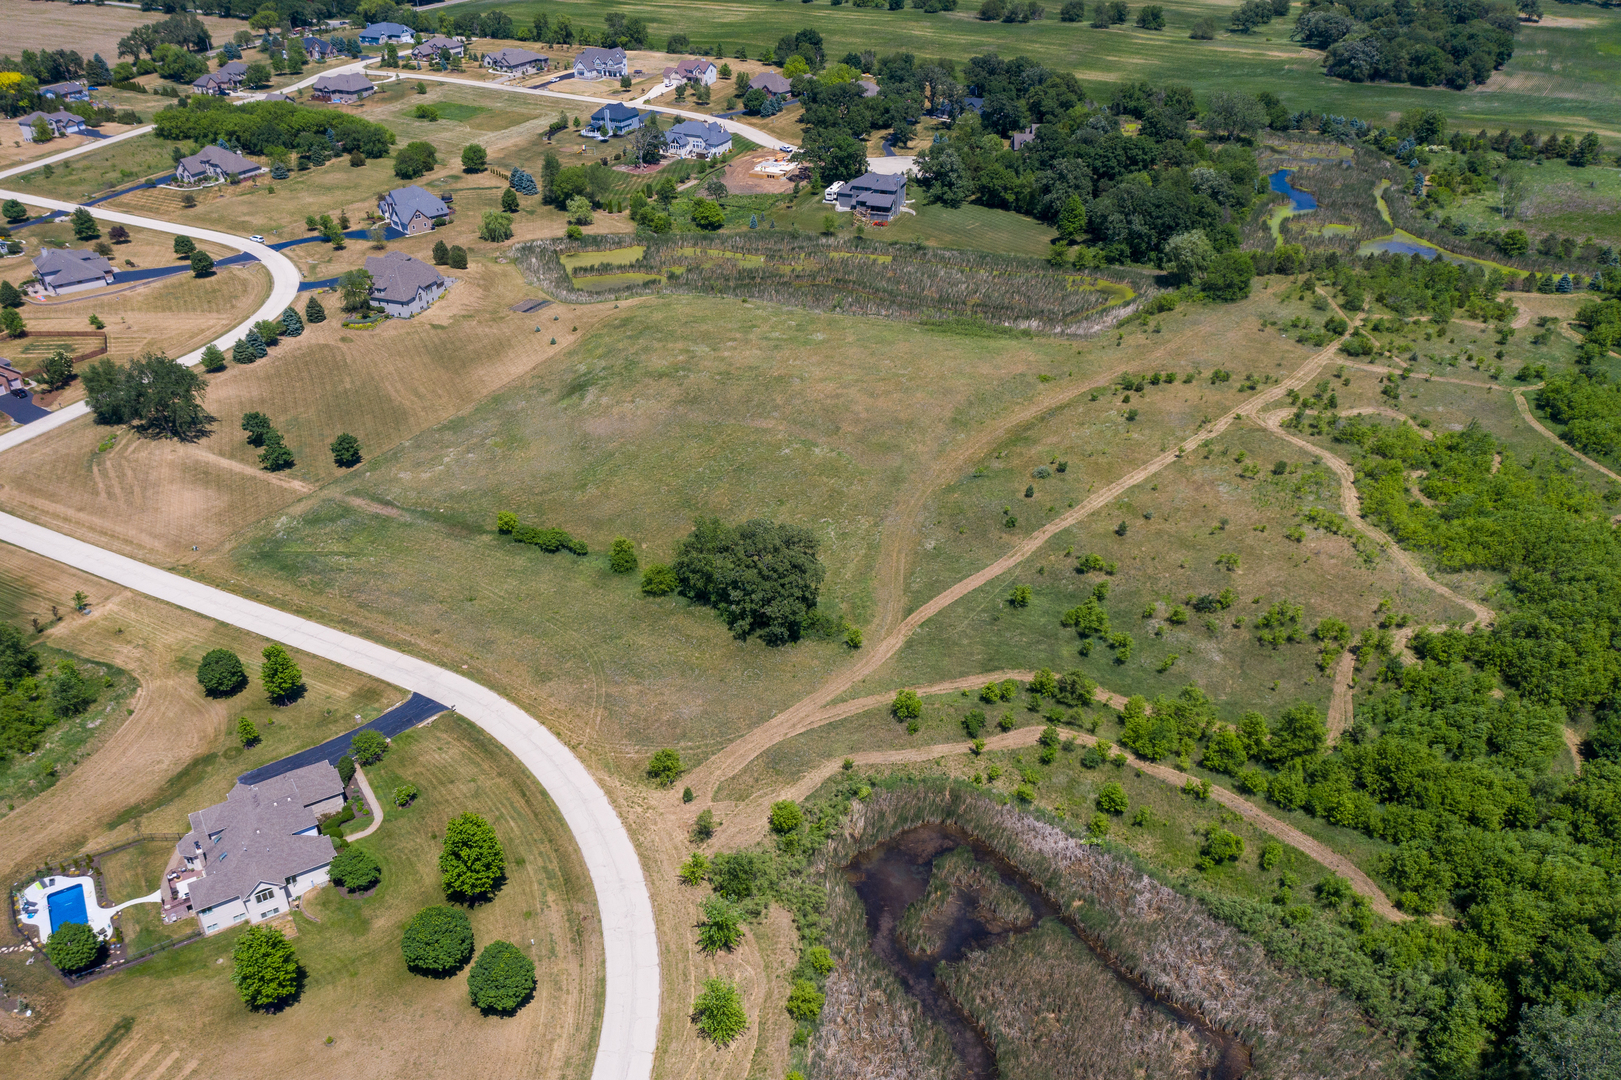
<point x="88" y="29"/>
<point x="162" y="1010"/>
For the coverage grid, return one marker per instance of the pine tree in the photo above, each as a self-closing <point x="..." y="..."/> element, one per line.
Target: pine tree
<point x="292" y="325"/>
<point x="257" y="345"/>
<point x="1564" y="285"/>
<point x="313" y="311"/>
<point x="754" y="221"/>
<point x="213" y="359"/>
<point x="458" y="257"/>
<point x="242" y="352"/>
<point x="509" y="201"/>
<point x="98" y="72"/>
<point x="523" y="183"/>
<point x="441" y="256"/>
<point x="278" y="171"/>
<point x="9" y="296"/>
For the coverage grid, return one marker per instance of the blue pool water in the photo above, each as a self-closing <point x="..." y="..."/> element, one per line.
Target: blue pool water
<point x="1298" y="200"/>
<point x="67" y="905"/>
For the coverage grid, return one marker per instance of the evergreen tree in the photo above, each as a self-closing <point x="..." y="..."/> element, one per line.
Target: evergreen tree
<point x="98" y="72"/>
<point x="9" y="295"/>
<point x="523" y="183"/>
<point x="313" y="311"/>
<point x="84" y="226"/>
<point x="509" y="201"/>
<point x="242" y="352"/>
<point x="257" y="344"/>
<point x="458" y="257"/>
<point x="292" y="325"/>
<point x="213" y="359"/>
<point x="441" y="256"/>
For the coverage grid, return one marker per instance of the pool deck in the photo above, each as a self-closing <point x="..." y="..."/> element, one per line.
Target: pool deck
<point x="35" y="912"/>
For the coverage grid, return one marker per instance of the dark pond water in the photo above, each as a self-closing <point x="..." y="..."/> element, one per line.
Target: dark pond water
<point x="890" y="877"/>
<point x="1298" y="200"/>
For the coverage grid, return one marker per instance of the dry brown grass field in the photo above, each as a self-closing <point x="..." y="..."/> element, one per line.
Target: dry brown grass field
<point x="87" y="29"/>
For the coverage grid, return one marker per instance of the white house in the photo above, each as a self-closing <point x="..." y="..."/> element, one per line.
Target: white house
<point x="698" y="138"/>
<point x="60" y="123"/>
<point x="385" y="33"/>
<point x="403" y="286"/>
<point x="214" y="163"/>
<point x="431" y="48"/>
<point x="692" y="70"/>
<point x="514" y="61"/>
<point x="249" y="857"/>
<point x="70" y="271"/>
<point x="412" y="209"/>
<point x="594" y="63"/>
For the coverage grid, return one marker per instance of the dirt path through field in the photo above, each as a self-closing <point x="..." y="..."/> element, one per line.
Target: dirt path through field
<point x="1525" y="412"/>
<point x="1573" y="742"/>
<point x="1340" y="705"/>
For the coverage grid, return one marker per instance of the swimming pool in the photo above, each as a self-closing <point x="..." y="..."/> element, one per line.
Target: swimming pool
<point x="67" y="905"/>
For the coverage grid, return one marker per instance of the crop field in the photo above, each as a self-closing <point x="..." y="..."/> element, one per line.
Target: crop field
<point x="1548" y="82"/>
<point x="87" y="29"/>
<point x="179" y="1008"/>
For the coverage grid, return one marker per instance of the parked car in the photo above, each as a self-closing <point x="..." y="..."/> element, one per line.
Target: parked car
<point x="257" y="239"/>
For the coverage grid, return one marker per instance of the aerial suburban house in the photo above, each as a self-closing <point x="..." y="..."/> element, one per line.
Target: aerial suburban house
<point x="70" y="271"/>
<point x="413" y="209"/>
<point x="214" y="163"/>
<point x="60" y="123"/>
<point x="403" y="286"/>
<point x="223" y="81"/>
<point x="430" y="49"/>
<point x="385" y="33"/>
<point x="771" y="83"/>
<point x="692" y="70"/>
<point x="511" y="61"/>
<point x="698" y="138"/>
<point x="343" y="87"/>
<point x="615" y="118"/>
<point x="11" y="380"/>
<point x="594" y="63"/>
<point x="252" y="855"/>
<point x="66" y="91"/>
<point x="879" y="195"/>
<point x="317" y="50"/>
<point x="1022" y="137"/>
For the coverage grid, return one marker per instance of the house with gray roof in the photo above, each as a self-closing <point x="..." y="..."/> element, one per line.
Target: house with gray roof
<point x="694" y="69"/>
<point x="343" y="87"/>
<point x="385" y="33"/>
<point x="615" y="118"/>
<point x="432" y="47"/>
<point x="771" y="83"/>
<point x="69" y="271"/>
<point x="317" y="50"/>
<point x="402" y="286"/>
<point x="213" y="163"/>
<point x="251" y="856"/>
<point x="219" y="83"/>
<point x="413" y="209"/>
<point x="594" y="63"/>
<point x="67" y="91"/>
<point x="879" y="195"/>
<point x="698" y="138"/>
<point x="61" y="123"/>
<point x="515" y="61"/>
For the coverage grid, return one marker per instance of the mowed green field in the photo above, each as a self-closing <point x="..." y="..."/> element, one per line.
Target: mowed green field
<point x="1563" y="72"/>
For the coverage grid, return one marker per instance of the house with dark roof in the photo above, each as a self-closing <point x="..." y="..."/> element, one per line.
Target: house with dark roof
<point x="61" y="123"/>
<point x="515" y="61"/>
<point x="771" y="83"/>
<point x="614" y="118"/>
<point x="432" y="47"/>
<point x="213" y="163"/>
<point x="594" y="63"/>
<point x="402" y="286"/>
<point x="343" y="87"/>
<point x="11" y="380"/>
<point x="879" y="195"/>
<point x="69" y="271"/>
<point x="386" y="33"/>
<point x="694" y="69"/>
<point x="221" y="82"/>
<point x="413" y="209"/>
<point x="316" y="49"/>
<point x="250" y="857"/>
<point x="66" y="91"/>
<point x="1019" y="138"/>
<point x="698" y="138"/>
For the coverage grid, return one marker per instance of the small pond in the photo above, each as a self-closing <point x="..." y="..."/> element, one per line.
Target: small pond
<point x="889" y="878"/>
<point x="1299" y="201"/>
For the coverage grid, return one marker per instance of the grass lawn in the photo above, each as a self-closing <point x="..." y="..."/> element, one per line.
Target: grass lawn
<point x="92" y="173"/>
<point x="180" y="1007"/>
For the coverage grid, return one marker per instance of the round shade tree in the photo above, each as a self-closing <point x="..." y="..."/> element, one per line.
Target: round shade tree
<point x="73" y="947"/>
<point x="221" y="673"/>
<point x="786" y="817"/>
<point x="472" y="862"/>
<point x="345" y="451"/>
<point x="355" y="869"/>
<point x="664" y="767"/>
<point x="502" y="978"/>
<point x="622" y="556"/>
<point x="279" y="674"/>
<point x="718" y="1012"/>
<point x="438" y="940"/>
<point x="265" y="968"/>
<point x="368" y="746"/>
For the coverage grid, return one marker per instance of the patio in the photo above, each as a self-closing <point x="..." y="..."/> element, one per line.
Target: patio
<point x="35" y="903"/>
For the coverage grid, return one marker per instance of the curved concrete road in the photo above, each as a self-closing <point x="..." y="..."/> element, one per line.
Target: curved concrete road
<point x="284" y="276"/>
<point x="630" y="1019"/>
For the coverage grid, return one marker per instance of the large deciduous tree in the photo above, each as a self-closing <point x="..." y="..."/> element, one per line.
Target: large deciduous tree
<point x="472" y="862"/>
<point x="264" y="967"/>
<point x="763" y="578"/>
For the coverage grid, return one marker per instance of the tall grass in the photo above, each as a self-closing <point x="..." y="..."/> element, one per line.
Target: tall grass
<point x="996" y="904"/>
<point x="1295" y="1027"/>
<point x="799" y="270"/>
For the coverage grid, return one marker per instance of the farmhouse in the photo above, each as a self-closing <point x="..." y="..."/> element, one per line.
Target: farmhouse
<point x="413" y="209"/>
<point x="385" y="33"/>
<point x="60" y="123"/>
<point x="214" y="163"/>
<point x="66" y="91"/>
<point x="69" y="271"/>
<point x="692" y="70"/>
<point x="403" y="286"/>
<point x="342" y="87"/>
<point x="252" y="855"/>
<point x="698" y="138"/>
<point x="771" y="83"/>
<point x="615" y="118"/>
<point x="512" y="61"/>
<point x="879" y="195"/>
<point x="430" y="49"/>
<point x="223" y="81"/>
<point x="594" y="63"/>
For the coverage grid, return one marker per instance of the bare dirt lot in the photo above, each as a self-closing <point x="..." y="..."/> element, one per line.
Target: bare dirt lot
<point x="742" y="180"/>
